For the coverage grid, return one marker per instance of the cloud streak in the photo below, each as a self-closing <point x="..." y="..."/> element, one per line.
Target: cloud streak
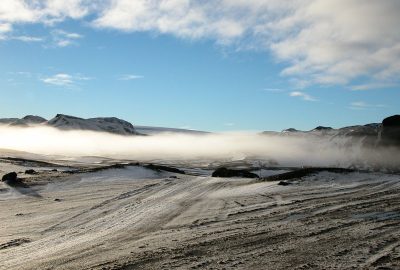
<point x="302" y="95"/>
<point x="63" y="38"/>
<point x="64" y="79"/>
<point x="361" y="105"/>
<point x="130" y="77"/>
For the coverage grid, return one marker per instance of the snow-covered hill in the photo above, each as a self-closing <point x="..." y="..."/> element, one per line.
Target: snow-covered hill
<point x="366" y="134"/>
<point x="101" y="124"/>
<point x="25" y="121"/>
<point x="104" y="124"/>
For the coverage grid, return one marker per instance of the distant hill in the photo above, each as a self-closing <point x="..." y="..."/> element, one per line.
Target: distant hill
<point x="386" y="133"/>
<point x="102" y="124"/>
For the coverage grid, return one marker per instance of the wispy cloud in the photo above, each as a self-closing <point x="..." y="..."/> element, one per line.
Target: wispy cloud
<point x="361" y="105"/>
<point x="274" y="90"/>
<point x="129" y="77"/>
<point x="372" y="86"/>
<point x="302" y="95"/>
<point x="6" y="34"/>
<point x="63" y="38"/>
<point x="26" y="38"/>
<point x="64" y="79"/>
<point x="5" y="27"/>
<point x="229" y="124"/>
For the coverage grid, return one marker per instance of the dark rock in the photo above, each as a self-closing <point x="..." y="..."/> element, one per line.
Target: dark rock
<point x="30" y="171"/>
<point x="391" y="121"/>
<point x="57" y="200"/>
<point x="14" y="243"/>
<point x="390" y="131"/>
<point x="12" y="180"/>
<point x="173" y="177"/>
<point x="54" y="170"/>
<point x="297" y="174"/>
<point x="284" y="183"/>
<point x="224" y="172"/>
<point x="9" y="177"/>
<point x="319" y="128"/>
<point x="163" y="168"/>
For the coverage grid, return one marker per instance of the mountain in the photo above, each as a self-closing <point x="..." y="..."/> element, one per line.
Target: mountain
<point x="104" y="124"/>
<point x="25" y="121"/>
<point x="66" y="122"/>
<point x="367" y="135"/>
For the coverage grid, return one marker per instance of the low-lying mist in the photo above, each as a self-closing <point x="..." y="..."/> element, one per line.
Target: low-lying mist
<point x="277" y="150"/>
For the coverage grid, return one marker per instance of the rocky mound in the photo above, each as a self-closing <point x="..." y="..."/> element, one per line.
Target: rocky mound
<point x="9" y="178"/>
<point x="297" y="174"/>
<point x="390" y="131"/>
<point x="225" y="172"/>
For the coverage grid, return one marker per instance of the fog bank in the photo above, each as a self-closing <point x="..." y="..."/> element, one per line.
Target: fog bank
<point x="285" y="150"/>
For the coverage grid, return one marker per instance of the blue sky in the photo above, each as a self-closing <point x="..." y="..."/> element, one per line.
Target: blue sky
<point x="166" y="63"/>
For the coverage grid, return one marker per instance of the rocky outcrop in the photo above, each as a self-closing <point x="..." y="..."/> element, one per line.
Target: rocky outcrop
<point x="10" y="178"/>
<point x="225" y="172"/>
<point x="320" y="128"/>
<point x="160" y="168"/>
<point x="297" y="174"/>
<point x="390" y="131"/>
<point x="30" y="171"/>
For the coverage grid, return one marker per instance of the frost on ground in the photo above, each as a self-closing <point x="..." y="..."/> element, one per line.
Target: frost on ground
<point x="137" y="218"/>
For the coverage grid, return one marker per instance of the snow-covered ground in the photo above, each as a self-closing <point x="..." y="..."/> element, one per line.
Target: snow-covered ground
<point x="137" y="218"/>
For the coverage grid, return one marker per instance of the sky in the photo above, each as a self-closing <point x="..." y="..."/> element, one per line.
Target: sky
<point x="217" y="65"/>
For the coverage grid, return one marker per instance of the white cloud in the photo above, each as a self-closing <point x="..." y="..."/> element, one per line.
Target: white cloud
<point x="369" y="86"/>
<point x="26" y="38"/>
<point x="361" y="105"/>
<point x="129" y="77"/>
<point x="302" y="95"/>
<point x="273" y="90"/>
<point x="63" y="79"/>
<point x="63" y="38"/>
<point x="50" y="11"/>
<point x="5" y="27"/>
<point x="320" y="41"/>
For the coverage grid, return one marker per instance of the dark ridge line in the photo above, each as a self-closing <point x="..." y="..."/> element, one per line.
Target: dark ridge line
<point x="299" y="173"/>
<point x="163" y="168"/>
<point x="154" y="167"/>
<point x="37" y="162"/>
